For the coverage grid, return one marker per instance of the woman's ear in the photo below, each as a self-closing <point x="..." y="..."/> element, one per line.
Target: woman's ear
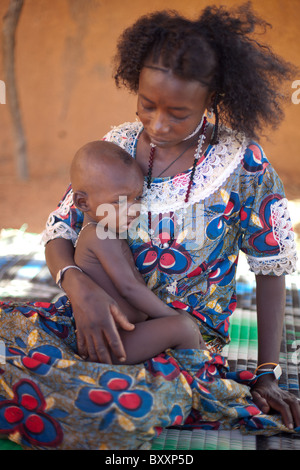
<point x="80" y="199"/>
<point x="211" y="101"/>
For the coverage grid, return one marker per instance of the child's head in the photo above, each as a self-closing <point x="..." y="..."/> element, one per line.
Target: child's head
<point x="106" y="183"/>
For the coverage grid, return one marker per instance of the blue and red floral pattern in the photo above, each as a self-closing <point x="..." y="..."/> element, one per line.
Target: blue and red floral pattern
<point x="263" y="240"/>
<point x="25" y="413"/>
<point x="38" y="360"/>
<point x="115" y="394"/>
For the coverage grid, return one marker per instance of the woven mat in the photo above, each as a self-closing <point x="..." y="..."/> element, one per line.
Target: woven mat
<point x="24" y="276"/>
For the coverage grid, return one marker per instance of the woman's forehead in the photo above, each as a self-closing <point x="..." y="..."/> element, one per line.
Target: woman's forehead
<point x="157" y="81"/>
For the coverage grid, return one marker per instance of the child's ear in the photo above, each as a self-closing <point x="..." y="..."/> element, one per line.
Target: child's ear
<point x="80" y="199"/>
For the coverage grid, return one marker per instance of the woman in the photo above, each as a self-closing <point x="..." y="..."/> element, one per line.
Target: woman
<point x="179" y="69"/>
<point x="209" y="192"/>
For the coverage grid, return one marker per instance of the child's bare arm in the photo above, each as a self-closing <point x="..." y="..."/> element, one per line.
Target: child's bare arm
<point x="127" y="280"/>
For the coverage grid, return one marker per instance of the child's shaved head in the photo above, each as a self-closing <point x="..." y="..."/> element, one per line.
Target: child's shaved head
<point x="99" y="159"/>
<point x="107" y="184"/>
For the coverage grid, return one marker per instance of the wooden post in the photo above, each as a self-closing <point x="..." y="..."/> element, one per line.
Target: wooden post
<point x="10" y="23"/>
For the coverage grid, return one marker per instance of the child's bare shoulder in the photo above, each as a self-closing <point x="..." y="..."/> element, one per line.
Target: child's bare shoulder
<point x="87" y="234"/>
<point x="97" y="240"/>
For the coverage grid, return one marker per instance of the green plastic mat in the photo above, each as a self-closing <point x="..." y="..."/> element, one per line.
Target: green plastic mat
<point x="172" y="439"/>
<point x="6" y="444"/>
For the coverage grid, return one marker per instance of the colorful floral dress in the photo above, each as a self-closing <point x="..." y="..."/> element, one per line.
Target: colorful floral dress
<point x="51" y="399"/>
<point x="237" y="203"/>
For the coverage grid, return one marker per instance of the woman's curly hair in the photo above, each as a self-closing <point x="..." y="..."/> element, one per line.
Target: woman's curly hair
<point x="219" y="50"/>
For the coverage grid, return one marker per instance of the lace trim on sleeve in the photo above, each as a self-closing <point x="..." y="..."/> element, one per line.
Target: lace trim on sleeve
<point x="57" y="228"/>
<point x="274" y="265"/>
<point x="286" y="261"/>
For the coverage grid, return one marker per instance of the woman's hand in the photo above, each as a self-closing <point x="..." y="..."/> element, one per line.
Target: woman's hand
<point x="96" y="315"/>
<point x="267" y="395"/>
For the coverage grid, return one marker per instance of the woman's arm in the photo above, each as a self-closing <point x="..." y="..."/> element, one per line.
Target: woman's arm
<point x="95" y="312"/>
<point x="59" y="253"/>
<point x="270" y="300"/>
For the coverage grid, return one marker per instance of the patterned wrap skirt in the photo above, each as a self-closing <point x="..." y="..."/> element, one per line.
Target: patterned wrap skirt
<point x="52" y="399"/>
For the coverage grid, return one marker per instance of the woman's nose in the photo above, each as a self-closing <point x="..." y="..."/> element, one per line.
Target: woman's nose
<point x="159" y="124"/>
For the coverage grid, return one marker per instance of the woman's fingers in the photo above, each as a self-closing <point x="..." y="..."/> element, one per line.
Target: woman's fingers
<point x="260" y="402"/>
<point x="81" y="345"/>
<point x="121" y="319"/>
<point x="286" y="404"/>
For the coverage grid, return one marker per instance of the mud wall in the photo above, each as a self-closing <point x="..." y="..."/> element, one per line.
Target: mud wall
<point x="67" y="94"/>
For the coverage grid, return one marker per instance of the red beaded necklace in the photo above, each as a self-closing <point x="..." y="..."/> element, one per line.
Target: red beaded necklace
<point x="198" y="154"/>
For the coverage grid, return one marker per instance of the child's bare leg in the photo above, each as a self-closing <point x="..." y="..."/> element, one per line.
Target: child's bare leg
<point x="183" y="312"/>
<point x="154" y="336"/>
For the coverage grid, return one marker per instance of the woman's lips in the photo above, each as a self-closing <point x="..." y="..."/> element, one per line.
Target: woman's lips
<point x="159" y="142"/>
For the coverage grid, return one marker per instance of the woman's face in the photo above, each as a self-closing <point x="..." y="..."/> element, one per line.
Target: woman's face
<point x="170" y="108"/>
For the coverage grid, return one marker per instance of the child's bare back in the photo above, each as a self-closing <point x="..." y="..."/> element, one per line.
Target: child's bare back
<point x="86" y="259"/>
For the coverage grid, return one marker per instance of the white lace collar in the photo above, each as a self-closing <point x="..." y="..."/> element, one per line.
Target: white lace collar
<point x="168" y="194"/>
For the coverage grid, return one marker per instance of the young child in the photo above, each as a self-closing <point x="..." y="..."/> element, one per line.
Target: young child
<point x="107" y="187"/>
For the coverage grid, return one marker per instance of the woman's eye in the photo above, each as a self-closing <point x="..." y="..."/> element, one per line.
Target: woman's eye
<point x="180" y="118"/>
<point x="148" y="108"/>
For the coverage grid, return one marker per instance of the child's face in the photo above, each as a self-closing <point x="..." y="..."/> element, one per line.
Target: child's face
<point x="116" y="204"/>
